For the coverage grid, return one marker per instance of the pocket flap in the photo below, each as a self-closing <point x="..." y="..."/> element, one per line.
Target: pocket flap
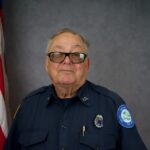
<point x="32" y="137"/>
<point x="104" y="141"/>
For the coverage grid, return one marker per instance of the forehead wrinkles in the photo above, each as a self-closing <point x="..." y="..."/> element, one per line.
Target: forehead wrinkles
<point x="73" y="47"/>
<point x="66" y="39"/>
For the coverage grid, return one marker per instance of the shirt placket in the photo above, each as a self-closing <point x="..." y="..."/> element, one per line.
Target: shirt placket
<point x="64" y="131"/>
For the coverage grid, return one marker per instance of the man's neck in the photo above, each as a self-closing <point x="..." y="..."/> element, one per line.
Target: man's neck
<point x="66" y="91"/>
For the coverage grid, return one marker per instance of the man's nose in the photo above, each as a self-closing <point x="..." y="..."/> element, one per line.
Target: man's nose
<point x="67" y="60"/>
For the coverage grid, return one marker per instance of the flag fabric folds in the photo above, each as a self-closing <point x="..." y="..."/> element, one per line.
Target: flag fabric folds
<point x="3" y="116"/>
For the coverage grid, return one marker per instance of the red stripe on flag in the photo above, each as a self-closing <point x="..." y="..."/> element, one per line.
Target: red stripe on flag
<point x="2" y="139"/>
<point x="1" y="15"/>
<point x="3" y="116"/>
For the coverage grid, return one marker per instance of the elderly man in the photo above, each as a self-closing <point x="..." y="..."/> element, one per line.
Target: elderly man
<point x="72" y="113"/>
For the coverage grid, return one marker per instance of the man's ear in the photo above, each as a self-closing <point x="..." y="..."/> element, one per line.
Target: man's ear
<point x="88" y="64"/>
<point x="46" y="63"/>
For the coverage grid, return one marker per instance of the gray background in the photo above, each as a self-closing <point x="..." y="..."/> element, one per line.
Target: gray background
<point x="119" y="33"/>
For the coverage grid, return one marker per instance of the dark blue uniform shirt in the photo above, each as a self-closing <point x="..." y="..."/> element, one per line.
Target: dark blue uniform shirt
<point x="95" y="119"/>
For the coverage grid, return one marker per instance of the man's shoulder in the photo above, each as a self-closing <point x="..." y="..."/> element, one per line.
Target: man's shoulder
<point x="38" y="91"/>
<point x="109" y="94"/>
<point x="30" y="102"/>
<point x="33" y="96"/>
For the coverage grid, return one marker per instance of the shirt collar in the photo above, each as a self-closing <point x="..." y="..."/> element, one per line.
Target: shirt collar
<point x="82" y="94"/>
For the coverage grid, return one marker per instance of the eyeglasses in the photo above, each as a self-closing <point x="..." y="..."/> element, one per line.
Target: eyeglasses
<point x="59" y="57"/>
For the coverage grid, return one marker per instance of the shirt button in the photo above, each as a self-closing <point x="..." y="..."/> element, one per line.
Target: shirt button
<point x="97" y="147"/>
<point x="62" y="148"/>
<point x="63" y="126"/>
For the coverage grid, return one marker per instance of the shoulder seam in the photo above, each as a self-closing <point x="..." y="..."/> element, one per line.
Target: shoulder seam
<point x="106" y="92"/>
<point x="36" y="92"/>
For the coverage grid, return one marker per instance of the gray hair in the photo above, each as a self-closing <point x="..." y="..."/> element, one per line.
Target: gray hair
<point x="68" y="30"/>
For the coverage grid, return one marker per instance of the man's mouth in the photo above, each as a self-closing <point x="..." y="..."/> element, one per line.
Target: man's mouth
<point x="66" y="70"/>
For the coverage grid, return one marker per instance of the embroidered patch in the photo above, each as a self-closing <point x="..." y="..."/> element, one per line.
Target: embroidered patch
<point x="124" y="117"/>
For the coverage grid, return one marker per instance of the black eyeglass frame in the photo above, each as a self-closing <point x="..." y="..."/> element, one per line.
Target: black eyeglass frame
<point x="67" y="54"/>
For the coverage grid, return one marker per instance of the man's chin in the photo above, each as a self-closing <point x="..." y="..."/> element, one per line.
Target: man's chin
<point x="67" y="83"/>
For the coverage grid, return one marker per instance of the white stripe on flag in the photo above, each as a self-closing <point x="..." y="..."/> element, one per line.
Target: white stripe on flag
<point x="3" y="118"/>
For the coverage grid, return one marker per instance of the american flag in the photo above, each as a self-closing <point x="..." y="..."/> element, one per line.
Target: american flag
<point x="3" y="116"/>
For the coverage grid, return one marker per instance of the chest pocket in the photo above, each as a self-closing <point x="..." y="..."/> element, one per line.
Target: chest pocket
<point x="32" y="138"/>
<point x="104" y="141"/>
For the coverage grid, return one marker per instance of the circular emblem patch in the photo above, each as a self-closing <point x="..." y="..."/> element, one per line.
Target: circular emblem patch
<point x="124" y="117"/>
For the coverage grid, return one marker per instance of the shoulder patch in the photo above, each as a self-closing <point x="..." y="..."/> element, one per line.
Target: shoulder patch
<point x="124" y="117"/>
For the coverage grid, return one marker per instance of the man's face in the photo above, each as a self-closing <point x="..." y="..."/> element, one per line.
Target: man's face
<point x="67" y="73"/>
